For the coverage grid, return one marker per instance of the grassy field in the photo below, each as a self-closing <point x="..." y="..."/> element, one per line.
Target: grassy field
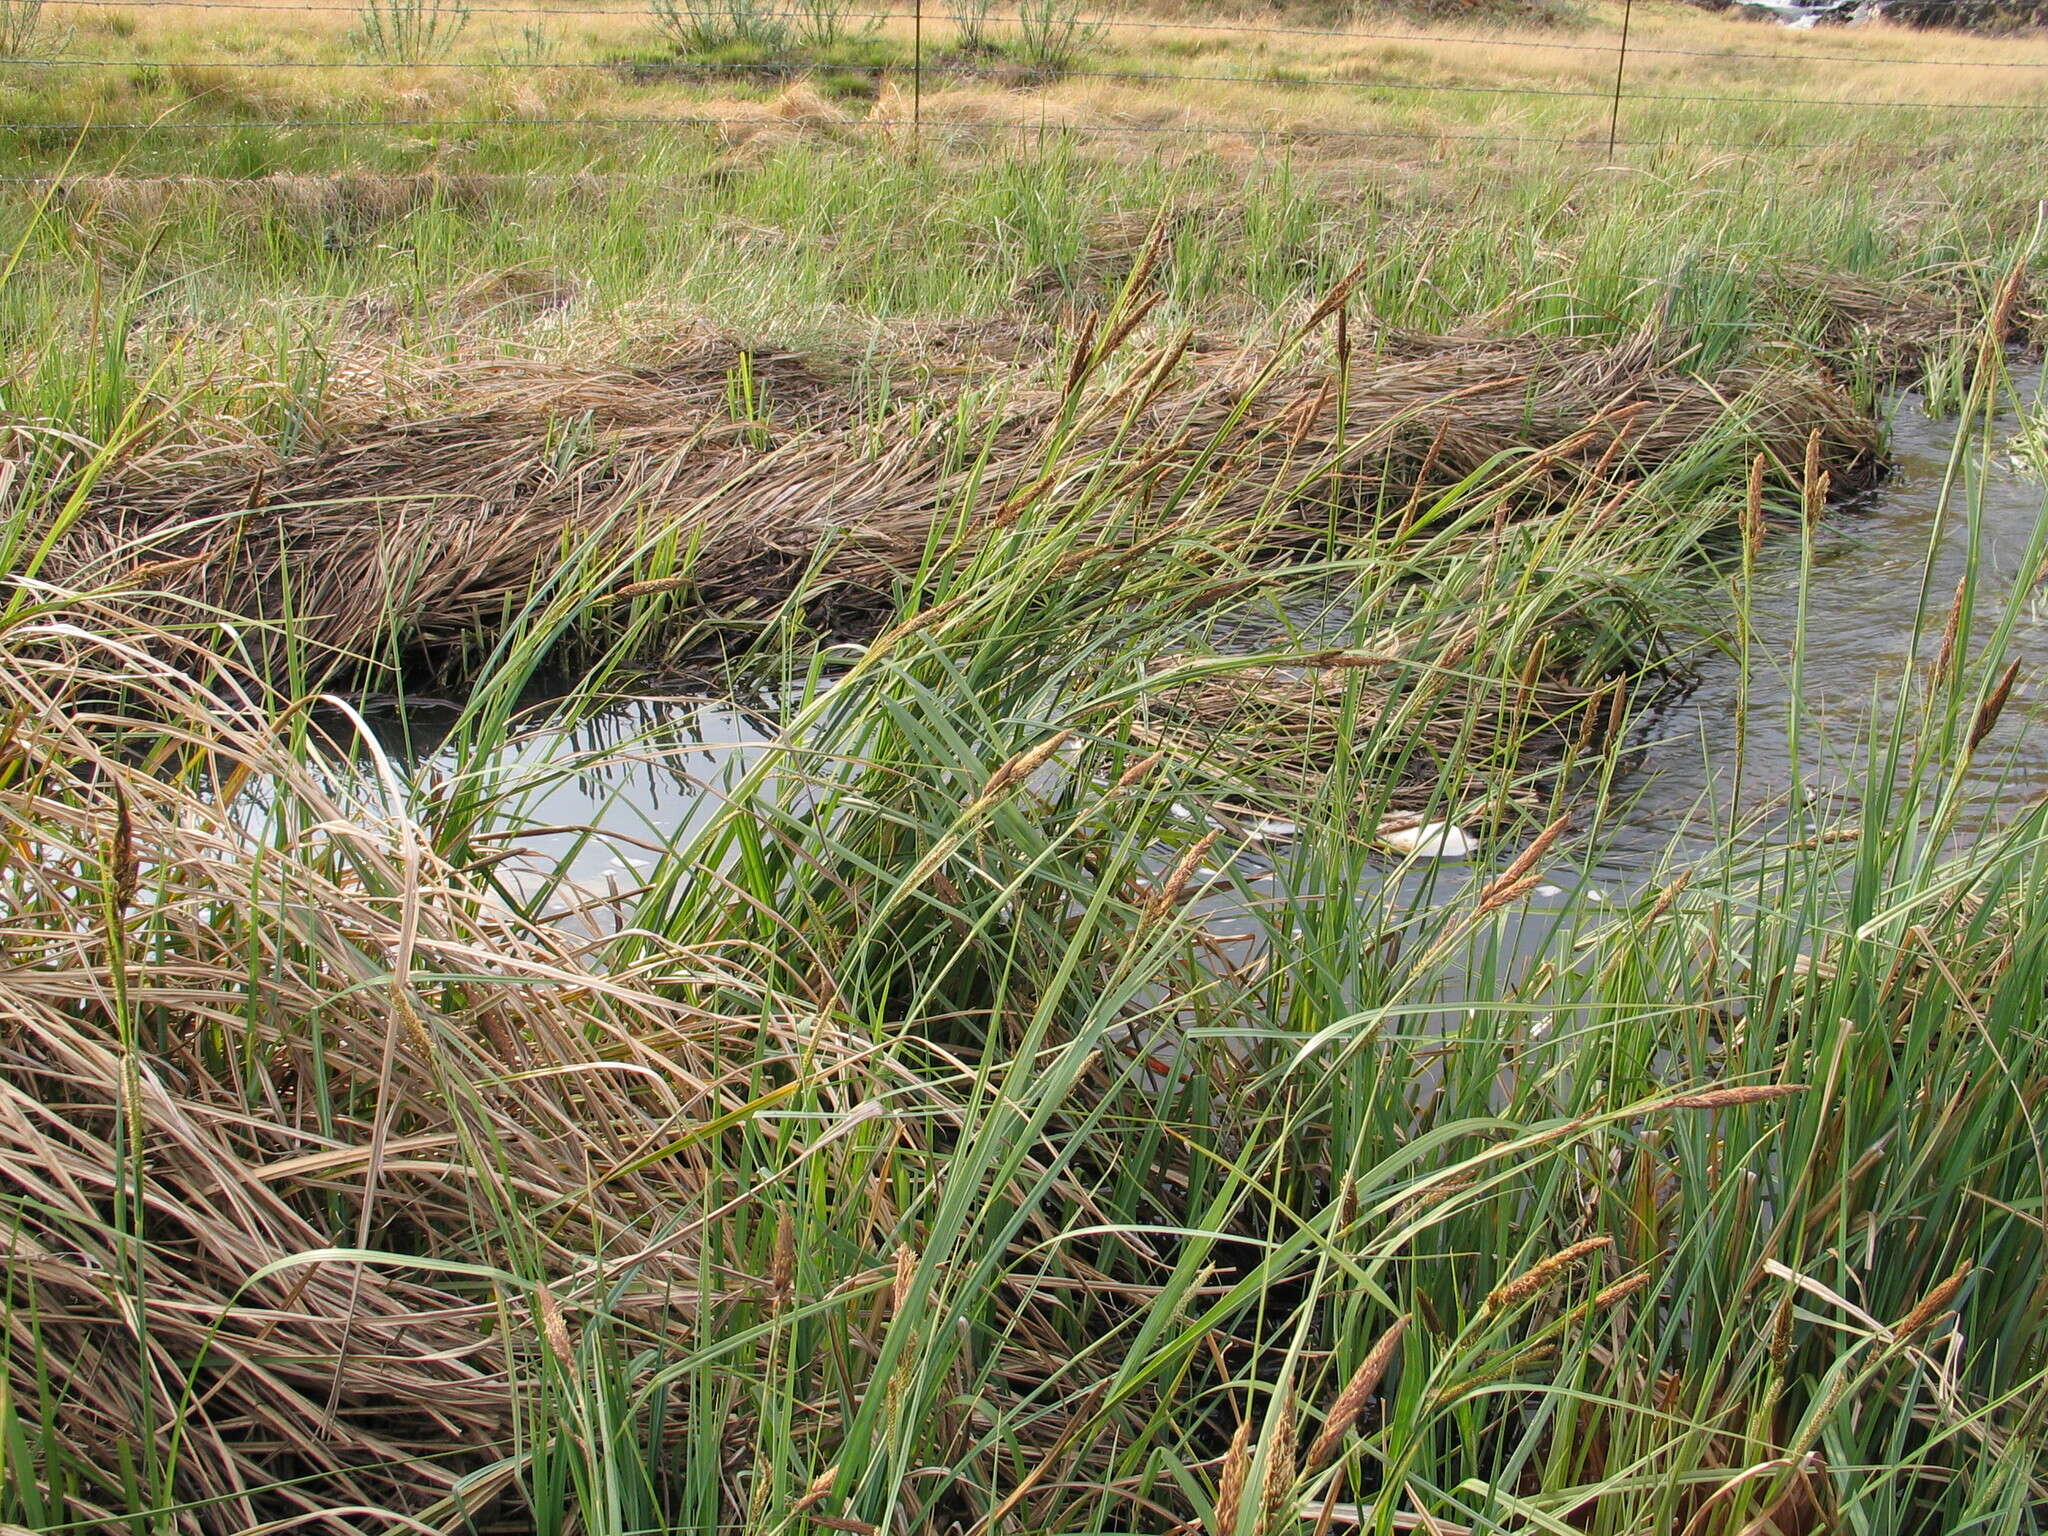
<point x="1029" y="1096"/>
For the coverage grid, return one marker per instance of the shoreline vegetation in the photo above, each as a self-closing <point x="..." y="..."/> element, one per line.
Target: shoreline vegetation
<point x="909" y="1149"/>
<point x="727" y="482"/>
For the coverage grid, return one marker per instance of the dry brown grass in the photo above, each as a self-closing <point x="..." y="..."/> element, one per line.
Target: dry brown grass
<point x="1451" y="742"/>
<point x="433" y="530"/>
<point x="1900" y="327"/>
<point x="270" y="1051"/>
<point x="355" y="1379"/>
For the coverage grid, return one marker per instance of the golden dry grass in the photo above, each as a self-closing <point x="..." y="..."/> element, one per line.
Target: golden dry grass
<point x="1675" y="51"/>
<point x="330" y="1385"/>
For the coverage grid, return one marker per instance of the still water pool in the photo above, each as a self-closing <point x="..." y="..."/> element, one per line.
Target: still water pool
<point x="606" y="796"/>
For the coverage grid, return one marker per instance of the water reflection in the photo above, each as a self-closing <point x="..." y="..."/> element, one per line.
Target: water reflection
<point x="605" y="795"/>
<point x="1869" y="563"/>
<point x="599" y="798"/>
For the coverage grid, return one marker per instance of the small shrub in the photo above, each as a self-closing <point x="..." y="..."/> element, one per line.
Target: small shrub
<point x="824" y="24"/>
<point x="20" y="21"/>
<point x="1051" y="33"/>
<point x="704" y="26"/>
<point x="409" y="31"/>
<point x="536" y="46"/>
<point x="971" y="18"/>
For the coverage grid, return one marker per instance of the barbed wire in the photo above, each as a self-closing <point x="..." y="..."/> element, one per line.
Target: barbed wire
<point x="930" y="125"/>
<point x="926" y="124"/>
<point x="1155" y="77"/>
<point x="717" y="72"/>
<point x="1134" y="23"/>
<point x="687" y="121"/>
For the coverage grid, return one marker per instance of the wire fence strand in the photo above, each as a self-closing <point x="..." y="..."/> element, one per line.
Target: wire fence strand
<point x="969" y="127"/>
<point x="1135" y="77"/>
